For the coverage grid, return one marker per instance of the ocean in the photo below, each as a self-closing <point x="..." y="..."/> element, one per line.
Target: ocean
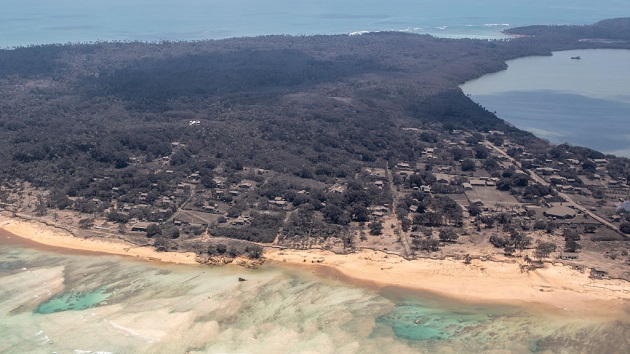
<point x="54" y="21"/>
<point x="53" y="302"/>
<point x="582" y="102"/>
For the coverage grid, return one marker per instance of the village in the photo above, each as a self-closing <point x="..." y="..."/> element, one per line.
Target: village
<point x="466" y="195"/>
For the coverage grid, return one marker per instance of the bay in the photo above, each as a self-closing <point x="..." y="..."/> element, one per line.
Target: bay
<point x="583" y="102"/>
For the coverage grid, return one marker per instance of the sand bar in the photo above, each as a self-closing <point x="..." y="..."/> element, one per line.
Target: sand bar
<point x="51" y="236"/>
<point x="557" y="285"/>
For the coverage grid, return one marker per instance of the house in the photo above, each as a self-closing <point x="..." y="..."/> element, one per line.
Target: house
<point x="478" y="182"/>
<point x="403" y="166"/>
<point x="278" y="201"/>
<point x="598" y="273"/>
<point x="239" y="221"/>
<point x="140" y="227"/>
<point x="476" y="202"/>
<point x="568" y="257"/>
<point x="209" y="208"/>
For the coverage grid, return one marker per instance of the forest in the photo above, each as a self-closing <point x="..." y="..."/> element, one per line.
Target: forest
<point x="162" y="127"/>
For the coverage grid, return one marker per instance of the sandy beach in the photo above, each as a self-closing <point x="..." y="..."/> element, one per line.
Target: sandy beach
<point x="502" y="281"/>
<point x="58" y="238"/>
<point x="562" y="287"/>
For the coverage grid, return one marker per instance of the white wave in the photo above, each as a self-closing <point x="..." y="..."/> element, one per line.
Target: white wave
<point x="358" y="33"/>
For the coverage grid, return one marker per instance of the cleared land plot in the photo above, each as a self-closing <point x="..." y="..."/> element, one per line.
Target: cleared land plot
<point x="579" y="219"/>
<point x="489" y="196"/>
<point x="461" y="199"/>
<point x="196" y="217"/>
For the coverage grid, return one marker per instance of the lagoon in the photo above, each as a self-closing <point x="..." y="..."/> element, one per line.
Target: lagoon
<point x="583" y="102"/>
<point x="54" y="302"/>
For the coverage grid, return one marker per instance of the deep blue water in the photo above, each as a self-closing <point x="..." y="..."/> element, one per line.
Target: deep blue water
<point x="54" y="21"/>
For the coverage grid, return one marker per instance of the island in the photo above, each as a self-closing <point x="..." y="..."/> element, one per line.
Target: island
<point x="356" y="154"/>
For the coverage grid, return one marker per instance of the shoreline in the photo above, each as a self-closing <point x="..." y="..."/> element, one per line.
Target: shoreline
<point x="52" y="238"/>
<point x="556" y="286"/>
<point x="491" y="281"/>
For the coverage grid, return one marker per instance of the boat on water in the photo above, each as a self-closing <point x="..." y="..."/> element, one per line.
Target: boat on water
<point x="576" y="58"/>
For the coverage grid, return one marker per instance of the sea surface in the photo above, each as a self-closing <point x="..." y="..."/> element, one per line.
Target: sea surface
<point x="55" y="21"/>
<point x="583" y="102"/>
<point x="54" y="302"/>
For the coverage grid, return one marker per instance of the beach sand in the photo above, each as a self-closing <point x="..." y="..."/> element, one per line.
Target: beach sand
<point x="494" y="281"/>
<point x="63" y="240"/>
<point x="556" y="285"/>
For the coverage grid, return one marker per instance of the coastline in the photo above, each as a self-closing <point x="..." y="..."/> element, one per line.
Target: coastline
<point x="490" y="281"/>
<point x="61" y="239"/>
<point x="482" y="281"/>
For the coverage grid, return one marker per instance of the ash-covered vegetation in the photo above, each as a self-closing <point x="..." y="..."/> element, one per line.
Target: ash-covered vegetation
<point x="323" y="141"/>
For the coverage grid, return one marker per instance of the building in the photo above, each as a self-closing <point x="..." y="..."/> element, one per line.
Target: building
<point x="140" y="226"/>
<point x="560" y="212"/>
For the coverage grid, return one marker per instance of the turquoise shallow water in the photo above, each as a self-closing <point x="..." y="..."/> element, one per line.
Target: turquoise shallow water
<point x="73" y="301"/>
<point x="63" y="303"/>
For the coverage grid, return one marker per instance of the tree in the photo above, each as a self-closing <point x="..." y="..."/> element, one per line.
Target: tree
<point x="405" y="224"/>
<point x="425" y="244"/>
<point x="333" y="214"/>
<point x="589" y="166"/>
<point x="625" y="228"/>
<point x="376" y="228"/>
<point x="520" y="241"/>
<point x="544" y="249"/>
<point x="221" y="248"/>
<point x="86" y="223"/>
<point x="254" y="251"/>
<point x="153" y="229"/>
<point x="481" y="152"/>
<point x="448" y="235"/>
<point x="360" y="213"/>
<point x="474" y="210"/>
<point x="40" y="206"/>
<point x="468" y="165"/>
<point x="570" y="245"/>
<point x="58" y="199"/>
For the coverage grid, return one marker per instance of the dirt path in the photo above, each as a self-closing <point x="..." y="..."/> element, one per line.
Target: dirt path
<point x="540" y="180"/>
<point x="396" y="197"/>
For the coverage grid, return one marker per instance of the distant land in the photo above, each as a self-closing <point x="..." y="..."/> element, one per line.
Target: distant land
<point x="335" y="143"/>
